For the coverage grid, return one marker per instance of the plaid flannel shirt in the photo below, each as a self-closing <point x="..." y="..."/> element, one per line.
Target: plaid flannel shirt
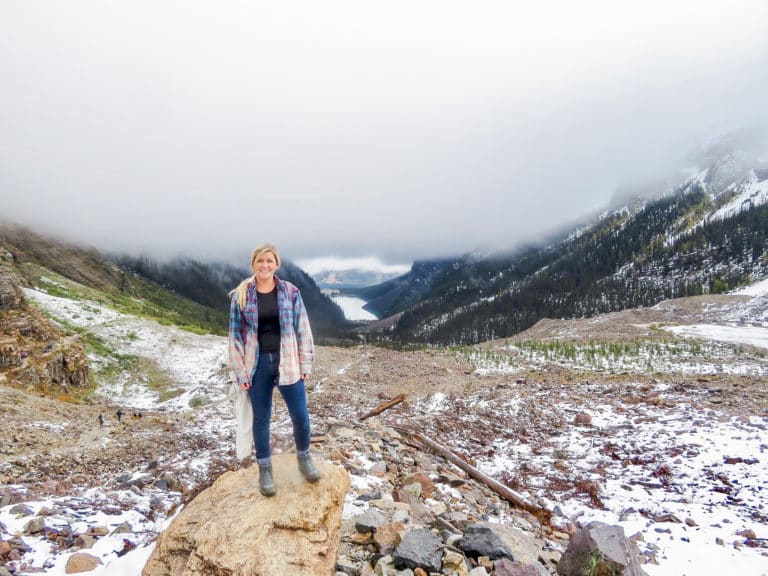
<point x="297" y="350"/>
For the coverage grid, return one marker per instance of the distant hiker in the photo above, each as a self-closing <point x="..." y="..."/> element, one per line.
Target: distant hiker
<point x="23" y="354"/>
<point x="127" y="547"/>
<point x="101" y="420"/>
<point x="119" y="414"/>
<point x="267" y="317"/>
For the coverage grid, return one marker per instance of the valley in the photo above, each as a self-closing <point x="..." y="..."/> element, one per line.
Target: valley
<point x="618" y="418"/>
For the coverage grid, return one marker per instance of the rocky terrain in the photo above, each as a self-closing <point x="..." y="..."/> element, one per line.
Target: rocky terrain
<point x="616" y="419"/>
<point x="33" y="351"/>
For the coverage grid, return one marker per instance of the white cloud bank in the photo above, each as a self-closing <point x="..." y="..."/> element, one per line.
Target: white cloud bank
<point x="400" y="129"/>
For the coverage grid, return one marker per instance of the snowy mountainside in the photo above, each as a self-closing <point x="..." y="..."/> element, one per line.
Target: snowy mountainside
<point x="746" y="194"/>
<point x="707" y="236"/>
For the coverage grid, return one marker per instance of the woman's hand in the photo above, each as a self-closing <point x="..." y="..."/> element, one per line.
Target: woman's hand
<point x="245" y="386"/>
<point x="305" y="377"/>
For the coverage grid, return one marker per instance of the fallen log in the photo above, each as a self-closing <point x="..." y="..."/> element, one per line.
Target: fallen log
<point x="381" y="407"/>
<point x="541" y="513"/>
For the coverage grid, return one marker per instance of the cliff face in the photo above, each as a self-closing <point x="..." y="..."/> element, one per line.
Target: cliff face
<point x="33" y="352"/>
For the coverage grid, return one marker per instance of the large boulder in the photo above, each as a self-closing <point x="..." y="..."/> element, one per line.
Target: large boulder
<point x="419" y="548"/>
<point x="501" y="541"/>
<point x="230" y="528"/>
<point x="600" y="549"/>
<point x="81" y="562"/>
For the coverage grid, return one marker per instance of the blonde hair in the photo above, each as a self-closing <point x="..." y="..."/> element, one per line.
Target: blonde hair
<point x="242" y="288"/>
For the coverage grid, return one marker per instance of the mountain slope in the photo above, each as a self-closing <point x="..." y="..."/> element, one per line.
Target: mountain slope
<point x="209" y="284"/>
<point x="709" y="235"/>
<point x="44" y="262"/>
<point x="183" y="292"/>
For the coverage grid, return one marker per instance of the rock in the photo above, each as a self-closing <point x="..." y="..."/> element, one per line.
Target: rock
<point x="81" y="562"/>
<point x="749" y="534"/>
<point x="385" y="566"/>
<point x="452" y="479"/>
<point x="124" y="478"/>
<point x="419" y="512"/>
<point x="162" y="485"/>
<point x="369" y="521"/>
<point x="500" y="541"/>
<point x="230" y="528"/>
<point x="368" y="496"/>
<point x="124" y="528"/>
<point x="583" y="419"/>
<point x="478" y="571"/>
<point x="427" y="487"/>
<point x="550" y="558"/>
<point x="11" y="498"/>
<point x="407" y="492"/>
<point x="485" y="562"/>
<point x="458" y="519"/>
<point x="506" y="567"/>
<point x="379" y="469"/>
<point x="15" y="545"/>
<point x="600" y="549"/>
<point x="454" y="564"/>
<point x="388" y="536"/>
<point x="419" y="548"/>
<point x="21" y="510"/>
<point x="452" y="539"/>
<point x="438" y="508"/>
<point x="85" y="541"/>
<point x="35" y="526"/>
<point x="344" y="566"/>
<point x="401" y="516"/>
<point x="4" y="571"/>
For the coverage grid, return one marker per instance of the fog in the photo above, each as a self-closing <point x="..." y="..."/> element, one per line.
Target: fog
<point x="395" y="130"/>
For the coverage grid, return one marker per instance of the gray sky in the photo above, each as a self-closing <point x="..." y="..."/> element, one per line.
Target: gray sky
<point x="393" y="129"/>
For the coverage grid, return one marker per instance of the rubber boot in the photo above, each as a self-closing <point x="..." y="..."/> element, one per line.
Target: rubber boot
<point x="266" y="480"/>
<point x="308" y="469"/>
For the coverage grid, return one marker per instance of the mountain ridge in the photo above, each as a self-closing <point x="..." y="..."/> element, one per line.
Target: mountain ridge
<point x="707" y="235"/>
<point x="182" y="291"/>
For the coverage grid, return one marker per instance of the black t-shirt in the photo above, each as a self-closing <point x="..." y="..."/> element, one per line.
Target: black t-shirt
<point x="269" y="321"/>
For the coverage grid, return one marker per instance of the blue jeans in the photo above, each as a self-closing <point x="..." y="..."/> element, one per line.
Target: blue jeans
<point x="260" y="393"/>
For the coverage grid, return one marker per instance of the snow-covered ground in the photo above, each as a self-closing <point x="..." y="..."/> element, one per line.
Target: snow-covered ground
<point x="692" y="358"/>
<point x="693" y="482"/>
<point x="194" y="365"/>
<point x="193" y="368"/>
<point x="706" y="487"/>
<point x="746" y="323"/>
<point x="708" y="477"/>
<point x="87" y="512"/>
<point x="752" y="335"/>
<point x="746" y="195"/>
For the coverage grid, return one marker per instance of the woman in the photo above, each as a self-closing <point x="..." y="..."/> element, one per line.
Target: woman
<point x="270" y="344"/>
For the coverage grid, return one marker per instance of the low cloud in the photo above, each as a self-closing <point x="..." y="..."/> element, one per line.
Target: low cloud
<point x="400" y="130"/>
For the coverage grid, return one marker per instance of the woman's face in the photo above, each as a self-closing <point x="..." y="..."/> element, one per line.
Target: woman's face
<point x="265" y="265"/>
